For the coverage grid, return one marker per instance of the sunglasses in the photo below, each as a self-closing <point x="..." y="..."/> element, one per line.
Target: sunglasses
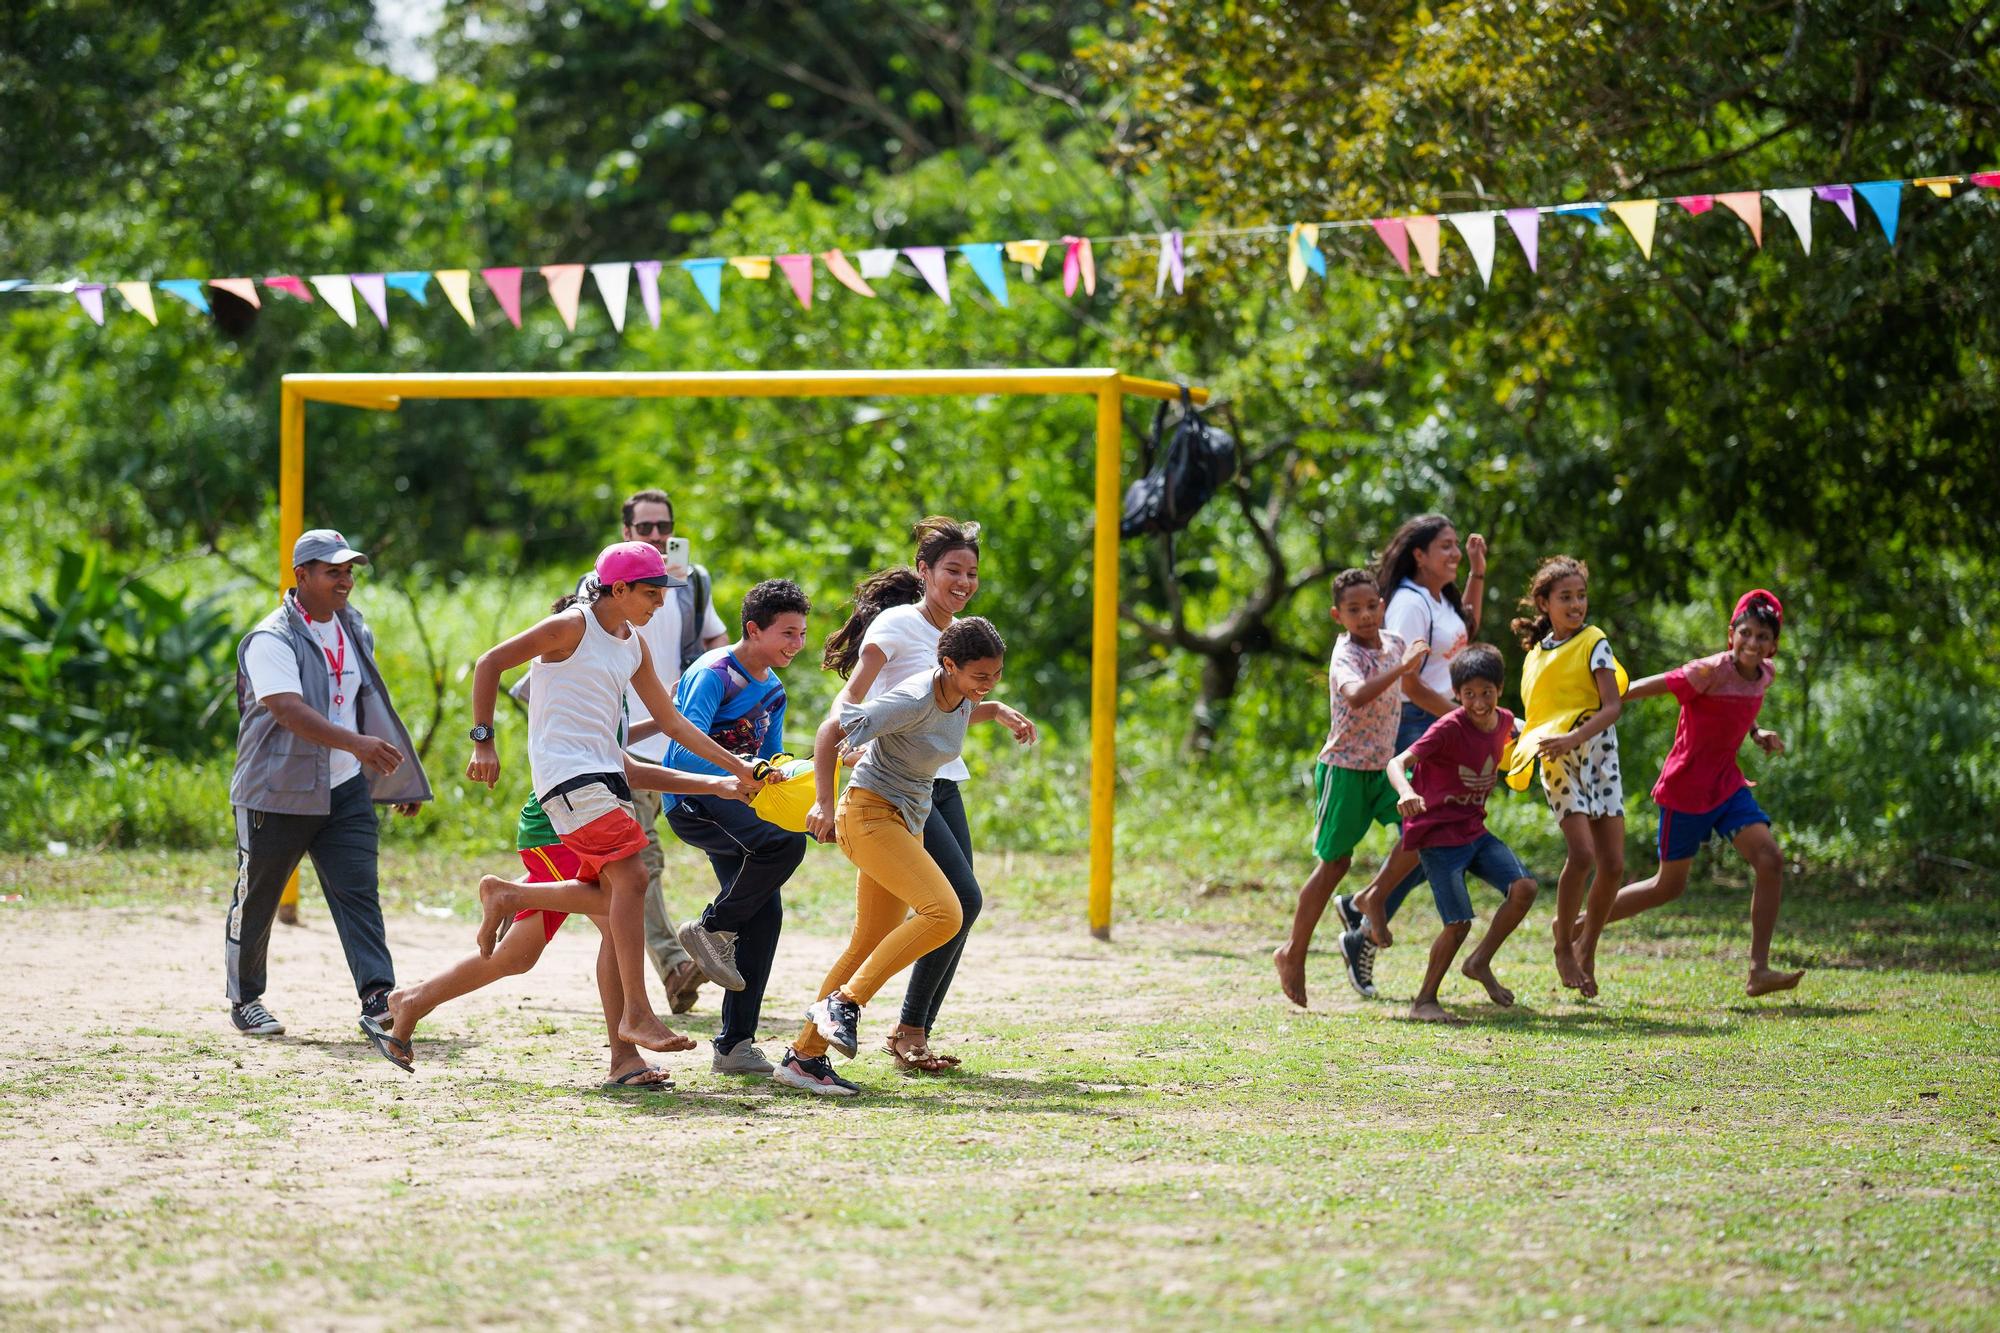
<point x="665" y="529"/>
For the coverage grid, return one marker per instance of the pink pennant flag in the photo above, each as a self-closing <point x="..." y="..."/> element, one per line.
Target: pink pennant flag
<point x="1527" y="224"/>
<point x="374" y="289"/>
<point x="1077" y="262"/>
<point x="843" y="273"/>
<point x="289" y="285"/>
<point x="798" y="270"/>
<point x="1424" y="233"/>
<point x="649" y="288"/>
<point x="1842" y="197"/>
<point x="1397" y="237"/>
<point x="505" y="284"/>
<point x="565" y="289"/>
<point x="1696" y="204"/>
<point x="90" y="295"/>
<point x="1748" y="205"/>
<point x="929" y="260"/>
<point x="1989" y="179"/>
<point x="244" y="289"/>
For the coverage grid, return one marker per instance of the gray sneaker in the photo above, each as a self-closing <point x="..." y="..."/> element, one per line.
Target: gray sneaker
<point x="745" y="1059"/>
<point x="714" y="951"/>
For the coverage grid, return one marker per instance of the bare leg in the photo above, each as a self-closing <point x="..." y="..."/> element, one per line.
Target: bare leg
<point x="1608" y="836"/>
<point x="1372" y="902"/>
<point x="1667" y="883"/>
<point x="1578" y="860"/>
<point x="409" y="1005"/>
<point x="501" y="899"/>
<point x="1479" y="963"/>
<point x="1290" y="957"/>
<point x="625" y="1057"/>
<point x="625" y="881"/>
<point x="1444" y="948"/>
<point x="1759" y="847"/>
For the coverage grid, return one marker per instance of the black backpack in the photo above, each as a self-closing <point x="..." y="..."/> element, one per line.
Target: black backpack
<point x="1198" y="461"/>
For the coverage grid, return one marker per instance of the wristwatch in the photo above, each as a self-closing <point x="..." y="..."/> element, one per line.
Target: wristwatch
<point x="481" y="734"/>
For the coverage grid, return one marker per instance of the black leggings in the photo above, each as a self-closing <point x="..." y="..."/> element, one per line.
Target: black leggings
<point x="949" y="841"/>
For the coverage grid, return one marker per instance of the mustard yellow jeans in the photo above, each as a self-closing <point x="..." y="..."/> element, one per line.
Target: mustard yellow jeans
<point x="897" y="879"/>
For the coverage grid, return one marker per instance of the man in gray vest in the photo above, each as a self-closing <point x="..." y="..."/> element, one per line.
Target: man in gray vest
<point x="318" y="748"/>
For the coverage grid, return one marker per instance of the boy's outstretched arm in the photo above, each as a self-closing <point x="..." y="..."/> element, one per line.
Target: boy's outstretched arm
<point x="556" y="634"/>
<point x="1648" y="688"/>
<point x="661" y="705"/>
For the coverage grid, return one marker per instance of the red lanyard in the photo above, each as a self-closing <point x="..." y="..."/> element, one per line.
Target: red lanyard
<point x="337" y="665"/>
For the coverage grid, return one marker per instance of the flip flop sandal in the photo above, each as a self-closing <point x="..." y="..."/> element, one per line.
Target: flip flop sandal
<point x="390" y="1048"/>
<point x="648" y="1078"/>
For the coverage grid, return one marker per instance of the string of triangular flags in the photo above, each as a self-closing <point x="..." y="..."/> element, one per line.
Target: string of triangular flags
<point x="1425" y="232"/>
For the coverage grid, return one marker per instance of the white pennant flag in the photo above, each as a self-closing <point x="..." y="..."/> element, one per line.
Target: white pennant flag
<point x="1796" y="205"/>
<point x="877" y="263"/>
<point x="612" y="282"/>
<point x="337" y="291"/>
<point x="1477" y="229"/>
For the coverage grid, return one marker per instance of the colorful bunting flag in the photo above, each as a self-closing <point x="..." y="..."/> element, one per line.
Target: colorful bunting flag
<point x="1077" y="263"/>
<point x="707" y="276"/>
<point x="505" y="284"/>
<point x="798" y="270"/>
<point x="649" y="288"/>
<point x="336" y="291"/>
<point x="1029" y="255"/>
<point x="1796" y="205"/>
<point x="244" y="289"/>
<point x="756" y="268"/>
<point x="1748" y="205"/>
<point x="456" y="284"/>
<point x="12" y="284"/>
<point x="613" y="281"/>
<point x="1638" y="215"/>
<point x="1988" y="179"/>
<point x="1527" y="226"/>
<point x="1885" y="198"/>
<point x="1696" y="204"/>
<point x="189" y="290"/>
<point x="1396" y="236"/>
<point x="843" y="273"/>
<point x="565" y="289"/>
<point x="415" y="282"/>
<point x="877" y="263"/>
<point x="374" y="289"/>
<point x="90" y="295"/>
<point x="1476" y="230"/>
<point x="139" y="296"/>
<point x="1302" y="253"/>
<point x="290" y="286"/>
<point x="991" y="268"/>
<point x="1595" y="212"/>
<point x="1423" y="231"/>
<point x="1173" y="262"/>
<point x="1842" y="197"/>
<point x="1938" y="185"/>
<point x="929" y="260"/>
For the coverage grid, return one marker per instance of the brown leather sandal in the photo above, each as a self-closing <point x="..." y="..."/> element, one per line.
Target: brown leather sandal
<point x="917" y="1060"/>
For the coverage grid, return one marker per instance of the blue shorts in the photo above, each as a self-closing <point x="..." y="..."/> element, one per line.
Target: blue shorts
<point x="1682" y="834"/>
<point x="1446" y="867"/>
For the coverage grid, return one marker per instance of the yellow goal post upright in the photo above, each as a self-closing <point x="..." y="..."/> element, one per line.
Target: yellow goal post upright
<point x="386" y="392"/>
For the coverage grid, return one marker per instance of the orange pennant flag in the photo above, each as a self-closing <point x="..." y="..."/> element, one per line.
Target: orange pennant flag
<point x="1423" y="232"/>
<point x="565" y="289"/>
<point x="843" y="273"/>
<point x="243" y="288"/>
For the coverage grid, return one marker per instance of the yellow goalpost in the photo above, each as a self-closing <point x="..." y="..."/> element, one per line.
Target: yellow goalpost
<point x="386" y="392"/>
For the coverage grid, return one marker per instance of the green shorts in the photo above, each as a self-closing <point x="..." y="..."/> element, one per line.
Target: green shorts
<point x="1350" y="801"/>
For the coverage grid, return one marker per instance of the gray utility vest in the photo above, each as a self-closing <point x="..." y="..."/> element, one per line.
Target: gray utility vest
<point x="285" y="774"/>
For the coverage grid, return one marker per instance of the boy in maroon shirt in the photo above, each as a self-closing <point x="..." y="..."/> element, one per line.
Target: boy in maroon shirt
<point x="1454" y="766"/>
<point x="1702" y="793"/>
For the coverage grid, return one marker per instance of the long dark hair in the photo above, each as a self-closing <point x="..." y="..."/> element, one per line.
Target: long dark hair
<point x="1398" y="561"/>
<point x="1533" y="624"/>
<point x="900" y="585"/>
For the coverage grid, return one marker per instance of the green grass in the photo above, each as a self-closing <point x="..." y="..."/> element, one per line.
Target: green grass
<point x="1144" y="1133"/>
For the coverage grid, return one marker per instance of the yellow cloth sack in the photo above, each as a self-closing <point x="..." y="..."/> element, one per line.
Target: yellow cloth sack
<point x="786" y="803"/>
<point x="1557" y="690"/>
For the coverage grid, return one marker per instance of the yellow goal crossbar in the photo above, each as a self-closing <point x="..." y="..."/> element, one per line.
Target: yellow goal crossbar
<point x="386" y="392"/>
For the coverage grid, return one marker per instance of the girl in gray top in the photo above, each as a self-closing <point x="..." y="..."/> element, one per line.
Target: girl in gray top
<point x="904" y="904"/>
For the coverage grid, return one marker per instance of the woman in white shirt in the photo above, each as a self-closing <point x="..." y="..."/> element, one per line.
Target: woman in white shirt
<point x="891" y="636"/>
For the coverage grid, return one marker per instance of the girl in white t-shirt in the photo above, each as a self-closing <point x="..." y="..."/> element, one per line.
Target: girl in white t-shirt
<point x="891" y="636"/>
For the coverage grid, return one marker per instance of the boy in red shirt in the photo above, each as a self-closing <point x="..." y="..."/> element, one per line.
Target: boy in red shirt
<point x="1452" y="769"/>
<point x="1702" y="793"/>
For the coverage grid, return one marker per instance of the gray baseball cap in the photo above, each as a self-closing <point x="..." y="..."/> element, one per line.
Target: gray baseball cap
<point x="324" y="544"/>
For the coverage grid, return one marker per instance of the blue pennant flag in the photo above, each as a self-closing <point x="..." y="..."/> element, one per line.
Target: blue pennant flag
<point x="707" y="275"/>
<point x="1595" y="212"/>
<point x="189" y="290"/>
<point x="986" y="262"/>
<point x="412" y="282"/>
<point x="1886" y="198"/>
<point x="9" y="284"/>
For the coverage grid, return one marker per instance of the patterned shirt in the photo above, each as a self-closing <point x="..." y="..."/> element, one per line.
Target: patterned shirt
<point x="1362" y="738"/>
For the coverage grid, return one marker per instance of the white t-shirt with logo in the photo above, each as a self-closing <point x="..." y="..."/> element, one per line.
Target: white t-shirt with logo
<point x="274" y="669"/>
<point x="909" y="640"/>
<point x="1414" y="614"/>
<point x="662" y="636"/>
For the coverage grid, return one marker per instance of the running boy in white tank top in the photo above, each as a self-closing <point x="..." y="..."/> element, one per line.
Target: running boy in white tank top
<point x="584" y="659"/>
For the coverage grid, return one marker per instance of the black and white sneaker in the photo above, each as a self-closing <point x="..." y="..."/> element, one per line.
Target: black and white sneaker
<point x="1350" y="915"/>
<point x="836" y="1020"/>
<point x="814" y="1075"/>
<point x="1359" y="955"/>
<point x="254" y="1020"/>
<point x="376" y="1006"/>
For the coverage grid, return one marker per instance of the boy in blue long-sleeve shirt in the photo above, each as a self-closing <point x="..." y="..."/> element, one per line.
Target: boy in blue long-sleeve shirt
<point x="735" y="696"/>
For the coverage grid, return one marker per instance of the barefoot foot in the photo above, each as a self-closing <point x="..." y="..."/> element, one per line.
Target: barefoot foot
<point x="403" y="1014"/>
<point x="1764" y="980"/>
<point x="495" y="905"/>
<point x="1430" y="1011"/>
<point x="1586" y="962"/>
<point x="1374" y="921"/>
<point x="1567" y="968"/>
<point x="1482" y="972"/>
<point x="648" y="1031"/>
<point x="1291" y="974"/>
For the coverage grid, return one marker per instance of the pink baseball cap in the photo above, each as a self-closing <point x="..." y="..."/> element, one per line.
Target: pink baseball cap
<point x="631" y="562"/>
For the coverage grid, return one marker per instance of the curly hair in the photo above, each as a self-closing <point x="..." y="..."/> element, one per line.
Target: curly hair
<point x="771" y="599"/>
<point x="1351" y="578"/>
<point x="1533" y="624"/>
<point x="972" y="639"/>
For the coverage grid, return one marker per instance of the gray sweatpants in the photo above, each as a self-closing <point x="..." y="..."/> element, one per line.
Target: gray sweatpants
<point x="342" y="845"/>
<point x="661" y="943"/>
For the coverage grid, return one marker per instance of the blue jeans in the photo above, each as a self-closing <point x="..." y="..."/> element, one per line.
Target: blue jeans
<point x="1446" y="867"/>
<point x="1410" y="726"/>
<point x="948" y="838"/>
